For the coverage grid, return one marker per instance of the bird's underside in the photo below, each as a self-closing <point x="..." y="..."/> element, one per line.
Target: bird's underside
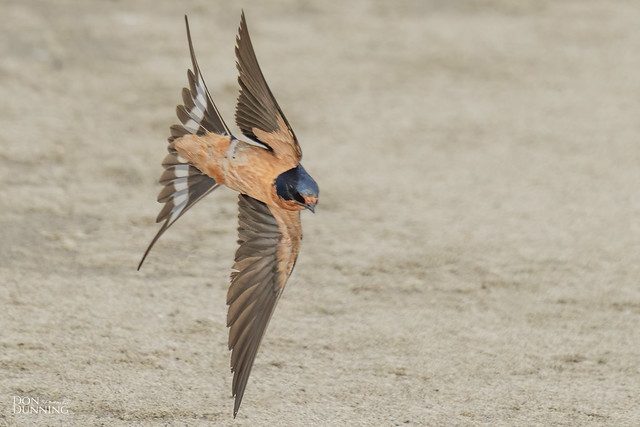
<point x="203" y="154"/>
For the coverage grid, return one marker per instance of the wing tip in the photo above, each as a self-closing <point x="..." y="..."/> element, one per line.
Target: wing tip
<point x="237" y="402"/>
<point x="243" y="30"/>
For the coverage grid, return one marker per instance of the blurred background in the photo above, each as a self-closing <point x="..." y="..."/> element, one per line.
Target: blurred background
<point x="474" y="255"/>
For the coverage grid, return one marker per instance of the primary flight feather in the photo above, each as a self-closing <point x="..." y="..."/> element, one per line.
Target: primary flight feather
<point x="273" y="187"/>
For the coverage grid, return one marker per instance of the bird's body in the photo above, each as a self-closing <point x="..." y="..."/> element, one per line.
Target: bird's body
<point x="243" y="167"/>
<point x="273" y="187"/>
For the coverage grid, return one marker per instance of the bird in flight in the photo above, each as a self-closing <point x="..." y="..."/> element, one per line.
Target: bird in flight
<point x="274" y="187"/>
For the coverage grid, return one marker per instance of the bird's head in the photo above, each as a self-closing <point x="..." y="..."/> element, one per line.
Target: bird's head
<point x="297" y="189"/>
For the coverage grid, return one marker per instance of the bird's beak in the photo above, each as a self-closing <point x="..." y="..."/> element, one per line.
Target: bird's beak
<point x="310" y="203"/>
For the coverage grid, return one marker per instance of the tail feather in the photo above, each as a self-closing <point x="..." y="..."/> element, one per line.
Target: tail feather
<point x="184" y="184"/>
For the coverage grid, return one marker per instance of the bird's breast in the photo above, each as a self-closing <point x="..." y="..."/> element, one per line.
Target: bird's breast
<point x="243" y="167"/>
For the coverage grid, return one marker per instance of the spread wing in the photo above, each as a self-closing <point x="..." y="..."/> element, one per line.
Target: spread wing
<point x="266" y="256"/>
<point x="257" y="113"/>
<point x="184" y="184"/>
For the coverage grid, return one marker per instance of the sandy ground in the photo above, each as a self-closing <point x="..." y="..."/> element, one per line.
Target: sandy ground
<point x="474" y="256"/>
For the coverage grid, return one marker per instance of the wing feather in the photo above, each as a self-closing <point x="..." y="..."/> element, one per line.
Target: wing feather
<point x="268" y="240"/>
<point x="258" y="114"/>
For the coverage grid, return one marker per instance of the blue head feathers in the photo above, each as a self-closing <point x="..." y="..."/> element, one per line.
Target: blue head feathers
<point x="298" y="186"/>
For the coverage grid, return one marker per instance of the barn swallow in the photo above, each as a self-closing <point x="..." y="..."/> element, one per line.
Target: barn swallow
<point x="273" y="189"/>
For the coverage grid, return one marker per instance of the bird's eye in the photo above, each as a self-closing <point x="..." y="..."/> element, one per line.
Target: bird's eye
<point x="298" y="198"/>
